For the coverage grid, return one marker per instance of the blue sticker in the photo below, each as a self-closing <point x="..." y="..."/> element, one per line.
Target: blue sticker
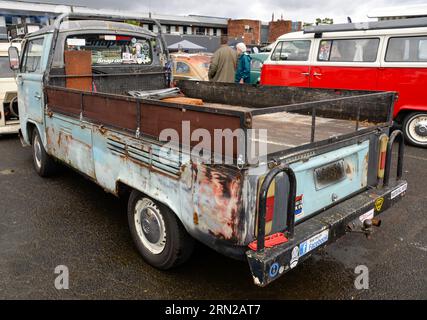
<point x="274" y="270"/>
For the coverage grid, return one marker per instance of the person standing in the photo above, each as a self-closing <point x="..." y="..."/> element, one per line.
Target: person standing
<point x="243" y="72"/>
<point x="223" y="65"/>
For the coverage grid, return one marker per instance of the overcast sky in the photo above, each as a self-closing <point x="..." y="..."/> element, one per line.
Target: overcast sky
<point x="301" y="10"/>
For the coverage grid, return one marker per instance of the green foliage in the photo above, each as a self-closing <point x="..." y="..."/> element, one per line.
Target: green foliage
<point x="324" y="21"/>
<point x="134" y="22"/>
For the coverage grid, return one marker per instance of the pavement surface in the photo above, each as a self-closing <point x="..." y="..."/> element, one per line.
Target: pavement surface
<point x="68" y="220"/>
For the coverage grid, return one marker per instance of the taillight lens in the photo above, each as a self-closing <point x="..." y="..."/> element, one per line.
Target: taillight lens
<point x="270" y="209"/>
<point x="382" y="155"/>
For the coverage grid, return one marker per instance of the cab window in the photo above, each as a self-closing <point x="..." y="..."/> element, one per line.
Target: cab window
<point x="348" y="50"/>
<point x="297" y="50"/>
<point x="407" y="49"/>
<point x="32" y="56"/>
<point x="112" y="49"/>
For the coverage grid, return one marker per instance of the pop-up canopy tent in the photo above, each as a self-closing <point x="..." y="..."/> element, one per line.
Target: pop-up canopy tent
<point x="185" y="45"/>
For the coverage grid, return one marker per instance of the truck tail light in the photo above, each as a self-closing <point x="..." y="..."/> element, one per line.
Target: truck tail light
<point x="382" y="155"/>
<point x="269" y="213"/>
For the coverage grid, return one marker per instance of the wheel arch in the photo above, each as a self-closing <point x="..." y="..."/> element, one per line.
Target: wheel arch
<point x="406" y="110"/>
<point x="123" y="191"/>
<point x="29" y="127"/>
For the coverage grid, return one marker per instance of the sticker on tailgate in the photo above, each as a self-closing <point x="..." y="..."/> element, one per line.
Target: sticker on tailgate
<point x="313" y="242"/>
<point x="368" y="215"/>
<point x="399" y="191"/>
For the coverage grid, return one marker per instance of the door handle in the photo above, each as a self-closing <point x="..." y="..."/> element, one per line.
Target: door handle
<point x="316" y="74"/>
<point x="305" y="73"/>
<point x="37" y="96"/>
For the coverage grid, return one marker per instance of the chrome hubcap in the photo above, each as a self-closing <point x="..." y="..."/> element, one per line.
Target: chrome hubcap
<point x="37" y="152"/>
<point x="421" y="128"/>
<point x="417" y="129"/>
<point x="150" y="226"/>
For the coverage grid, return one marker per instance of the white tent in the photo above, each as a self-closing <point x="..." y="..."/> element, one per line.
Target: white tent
<point x="186" y="45"/>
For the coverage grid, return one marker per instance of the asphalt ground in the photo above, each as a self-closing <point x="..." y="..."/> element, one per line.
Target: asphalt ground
<point x="68" y="220"/>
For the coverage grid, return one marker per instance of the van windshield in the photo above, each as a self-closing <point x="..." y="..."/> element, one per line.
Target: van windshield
<point x="112" y="49"/>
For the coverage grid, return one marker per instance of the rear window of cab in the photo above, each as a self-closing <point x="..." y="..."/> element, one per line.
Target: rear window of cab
<point x="110" y="50"/>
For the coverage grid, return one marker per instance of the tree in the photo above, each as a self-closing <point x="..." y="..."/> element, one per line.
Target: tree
<point x="324" y="21"/>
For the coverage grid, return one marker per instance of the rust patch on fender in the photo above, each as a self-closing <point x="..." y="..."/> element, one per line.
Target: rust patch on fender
<point x="195" y="218"/>
<point x="217" y="196"/>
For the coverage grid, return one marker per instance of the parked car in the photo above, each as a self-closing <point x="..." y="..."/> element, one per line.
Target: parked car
<point x="325" y="169"/>
<point x="9" y="117"/>
<point x="191" y="66"/>
<point x="385" y="55"/>
<point x="257" y="60"/>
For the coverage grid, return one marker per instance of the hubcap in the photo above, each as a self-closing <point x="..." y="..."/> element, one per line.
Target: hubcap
<point x="421" y="128"/>
<point x="37" y="152"/>
<point x="417" y="129"/>
<point x="150" y="226"/>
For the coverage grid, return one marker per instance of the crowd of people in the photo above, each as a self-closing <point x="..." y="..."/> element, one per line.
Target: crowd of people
<point x="229" y="65"/>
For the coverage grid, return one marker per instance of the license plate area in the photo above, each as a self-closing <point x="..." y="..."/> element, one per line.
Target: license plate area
<point x="329" y="174"/>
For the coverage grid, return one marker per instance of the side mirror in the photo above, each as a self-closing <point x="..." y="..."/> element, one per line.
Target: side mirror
<point x="13" y="58"/>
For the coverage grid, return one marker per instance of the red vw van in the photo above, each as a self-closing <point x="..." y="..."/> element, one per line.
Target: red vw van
<point x="386" y="55"/>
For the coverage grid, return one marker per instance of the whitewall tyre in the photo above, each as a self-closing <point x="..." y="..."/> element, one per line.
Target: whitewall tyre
<point x="415" y="129"/>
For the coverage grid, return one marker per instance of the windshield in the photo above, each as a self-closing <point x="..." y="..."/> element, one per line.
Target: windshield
<point x="5" y="71"/>
<point x="112" y="49"/>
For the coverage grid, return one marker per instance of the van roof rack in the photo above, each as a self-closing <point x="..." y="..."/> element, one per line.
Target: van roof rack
<point x="374" y="25"/>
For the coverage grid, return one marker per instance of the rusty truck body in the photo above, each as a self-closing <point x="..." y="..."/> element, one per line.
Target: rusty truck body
<point x="326" y="171"/>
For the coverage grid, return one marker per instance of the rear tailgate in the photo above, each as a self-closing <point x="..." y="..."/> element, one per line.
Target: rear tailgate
<point x="270" y="263"/>
<point x="321" y="181"/>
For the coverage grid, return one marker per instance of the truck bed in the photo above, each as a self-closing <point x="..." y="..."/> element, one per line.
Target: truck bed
<point x="288" y="130"/>
<point x="294" y="117"/>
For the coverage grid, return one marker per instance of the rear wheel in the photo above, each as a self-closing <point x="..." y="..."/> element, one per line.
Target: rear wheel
<point x="158" y="234"/>
<point x="415" y="129"/>
<point x="43" y="163"/>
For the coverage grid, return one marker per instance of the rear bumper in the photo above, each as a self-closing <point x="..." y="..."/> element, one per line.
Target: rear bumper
<point x="269" y="264"/>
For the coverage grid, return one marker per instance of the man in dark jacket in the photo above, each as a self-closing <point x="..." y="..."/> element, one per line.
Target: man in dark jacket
<point x="243" y="72"/>
<point x="223" y="65"/>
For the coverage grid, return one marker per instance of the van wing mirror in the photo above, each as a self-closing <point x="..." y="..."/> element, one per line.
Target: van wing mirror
<point x="13" y="58"/>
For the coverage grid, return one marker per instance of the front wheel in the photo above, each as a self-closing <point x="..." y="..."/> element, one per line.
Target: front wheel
<point x="415" y="129"/>
<point x="43" y="163"/>
<point x="157" y="233"/>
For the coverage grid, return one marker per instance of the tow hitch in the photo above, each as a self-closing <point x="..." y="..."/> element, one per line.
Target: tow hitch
<point x="365" y="227"/>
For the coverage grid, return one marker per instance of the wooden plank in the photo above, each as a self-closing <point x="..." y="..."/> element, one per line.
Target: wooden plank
<point x="64" y="101"/>
<point x="78" y="63"/>
<point x="184" y="100"/>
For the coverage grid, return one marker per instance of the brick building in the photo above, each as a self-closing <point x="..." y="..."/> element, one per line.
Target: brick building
<point x="255" y="32"/>
<point x="249" y="31"/>
<point x="280" y="27"/>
